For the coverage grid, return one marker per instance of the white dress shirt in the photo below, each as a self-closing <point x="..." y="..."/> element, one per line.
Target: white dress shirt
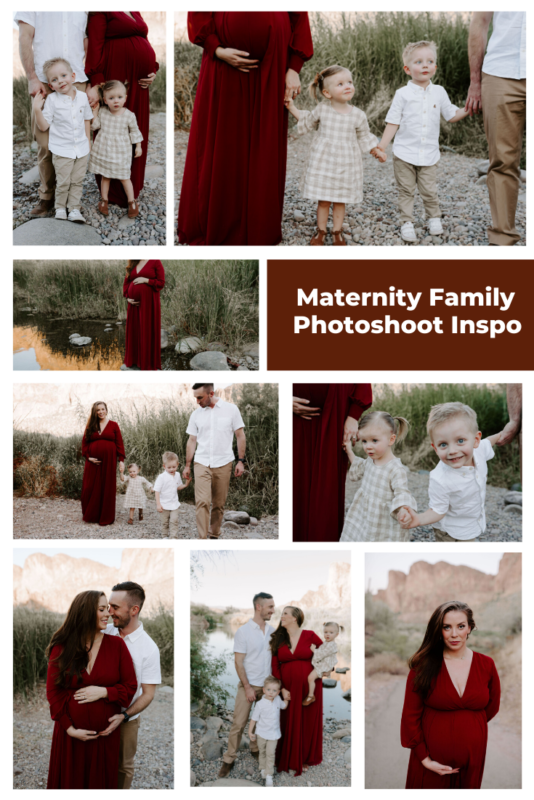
<point x="167" y="486"/>
<point x="267" y="717"/>
<point x="251" y="640"/>
<point x="145" y="656"/>
<point x="460" y="494"/>
<point x="506" y="56"/>
<point x="214" y="428"/>
<point x="66" y="118"/>
<point x="418" y="111"/>
<point x="57" y="34"/>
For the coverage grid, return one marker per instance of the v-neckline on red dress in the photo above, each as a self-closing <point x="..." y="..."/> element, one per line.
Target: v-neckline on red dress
<point x="96" y="659"/>
<point x="101" y="431"/>
<point x="296" y="646"/>
<point x="460" y="696"/>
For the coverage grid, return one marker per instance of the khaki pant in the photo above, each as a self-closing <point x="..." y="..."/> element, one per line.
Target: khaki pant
<point x="70" y="173"/>
<point x="240" y="719"/>
<point x="211" y="489"/>
<point x="267" y="750"/>
<point x="169" y="522"/>
<point x="408" y="177"/>
<point x="128" y="749"/>
<point x="441" y="536"/>
<point x="47" y="174"/>
<point x="504" y="106"/>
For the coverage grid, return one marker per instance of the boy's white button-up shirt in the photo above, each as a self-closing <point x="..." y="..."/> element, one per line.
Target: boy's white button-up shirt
<point x="67" y="117"/>
<point x="506" y="56"/>
<point x="417" y="111"/>
<point x="214" y="429"/>
<point x="58" y="34"/>
<point x="460" y="494"/>
<point x="145" y="656"/>
<point x="266" y="714"/>
<point x="167" y="486"/>
<point x="254" y="643"/>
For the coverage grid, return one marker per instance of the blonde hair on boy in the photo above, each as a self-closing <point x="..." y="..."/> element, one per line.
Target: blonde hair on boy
<point x="447" y="411"/>
<point x="52" y="61"/>
<point x="411" y="47"/>
<point x="273" y="680"/>
<point x="168" y="456"/>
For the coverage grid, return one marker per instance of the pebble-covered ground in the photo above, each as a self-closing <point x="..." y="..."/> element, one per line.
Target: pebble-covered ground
<point x="335" y="769"/>
<point x="32" y="739"/>
<point x="464" y="203"/>
<point x="116" y="229"/>
<point x="61" y="518"/>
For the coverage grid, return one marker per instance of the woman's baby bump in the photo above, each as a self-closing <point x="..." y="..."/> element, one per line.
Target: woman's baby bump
<point x="92" y="716"/>
<point x="452" y="737"/>
<point x="247" y="30"/>
<point x="136" y="291"/>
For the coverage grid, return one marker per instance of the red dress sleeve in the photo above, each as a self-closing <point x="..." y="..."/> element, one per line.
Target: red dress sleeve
<point x="411" y="728"/>
<point x="126" y="286"/>
<point x="360" y="399"/>
<point x="201" y="30"/>
<point x="57" y="697"/>
<point x="124" y="691"/>
<point x="275" y="668"/>
<point x="158" y="282"/>
<point x="85" y="446"/>
<point x="315" y="639"/>
<point x="494" y="687"/>
<point x="301" y="45"/>
<point x="94" y="60"/>
<point x="119" y="443"/>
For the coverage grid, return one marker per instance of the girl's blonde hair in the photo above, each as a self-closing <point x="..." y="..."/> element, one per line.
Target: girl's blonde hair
<point x="107" y="86"/>
<point x="318" y="82"/>
<point x="398" y="425"/>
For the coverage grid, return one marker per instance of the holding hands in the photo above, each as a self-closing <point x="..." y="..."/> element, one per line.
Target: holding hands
<point x="408" y="518"/>
<point x="138" y="152"/>
<point x="379" y="154"/>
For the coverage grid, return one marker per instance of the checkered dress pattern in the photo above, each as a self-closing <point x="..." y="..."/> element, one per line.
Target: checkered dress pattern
<point x="335" y="168"/>
<point x="324" y="658"/>
<point x="372" y="515"/>
<point x="135" y="496"/>
<point x="111" y="154"/>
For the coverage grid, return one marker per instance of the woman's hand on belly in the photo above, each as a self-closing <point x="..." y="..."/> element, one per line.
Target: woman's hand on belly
<point x="236" y="59"/>
<point x="94" y="461"/>
<point x="302" y="409"/>
<point x="89" y="694"/>
<point x="144" y="83"/>
<point x="435" y="766"/>
<point x="139" y="281"/>
<point x="82" y="735"/>
<point x="134" y="302"/>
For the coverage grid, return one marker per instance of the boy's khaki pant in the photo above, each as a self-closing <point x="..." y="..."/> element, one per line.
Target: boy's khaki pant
<point x="70" y="173"/>
<point x="267" y="750"/>
<point x="127" y="751"/>
<point x="47" y="174"/>
<point x="211" y="489"/>
<point x="408" y="177"/>
<point x="169" y="522"/>
<point x="441" y="536"/>
<point x="241" y="711"/>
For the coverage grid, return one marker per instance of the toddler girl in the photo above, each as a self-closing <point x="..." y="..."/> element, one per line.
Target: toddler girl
<point x="324" y="658"/>
<point x="334" y="173"/>
<point x="377" y="511"/>
<point x="111" y="156"/>
<point x="135" y="494"/>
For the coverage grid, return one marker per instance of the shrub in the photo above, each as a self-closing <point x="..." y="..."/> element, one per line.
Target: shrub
<point x="161" y="629"/>
<point x="206" y="671"/>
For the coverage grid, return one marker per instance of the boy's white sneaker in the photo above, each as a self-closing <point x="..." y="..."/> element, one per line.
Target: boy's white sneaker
<point x="269" y="780"/>
<point x="61" y="213"/>
<point x="263" y="774"/>
<point x="408" y="232"/>
<point x="434" y="226"/>
<point x="75" y="216"/>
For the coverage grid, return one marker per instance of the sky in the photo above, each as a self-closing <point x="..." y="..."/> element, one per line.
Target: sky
<point x="285" y="574"/>
<point x="377" y="565"/>
<point x="109" y="557"/>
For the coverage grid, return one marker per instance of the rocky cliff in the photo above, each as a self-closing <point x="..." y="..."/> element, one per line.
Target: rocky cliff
<point x="335" y="594"/>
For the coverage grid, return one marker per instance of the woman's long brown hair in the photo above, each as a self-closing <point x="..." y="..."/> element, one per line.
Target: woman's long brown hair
<point x="79" y="628"/>
<point x="131" y="265"/>
<point x="93" y="423"/>
<point x="428" y="659"/>
<point x="281" y="636"/>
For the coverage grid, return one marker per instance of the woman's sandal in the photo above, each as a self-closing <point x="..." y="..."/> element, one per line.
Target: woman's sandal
<point x="309" y="700"/>
<point x="133" y="209"/>
<point x="140" y="515"/>
<point x="338" y="239"/>
<point x="318" y="239"/>
<point x="130" y="521"/>
<point x="103" y="207"/>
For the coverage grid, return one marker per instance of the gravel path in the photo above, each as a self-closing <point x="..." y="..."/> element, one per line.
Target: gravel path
<point x="32" y="738"/>
<point x="465" y="205"/>
<point x="500" y="526"/>
<point x="116" y="229"/>
<point x="61" y="518"/>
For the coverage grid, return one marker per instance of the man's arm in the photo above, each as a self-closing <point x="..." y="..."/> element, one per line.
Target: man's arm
<point x="149" y="691"/>
<point x="189" y="455"/>
<point x="26" y="35"/>
<point x="514" y="398"/>
<point x="250" y="694"/>
<point x="241" y="450"/>
<point x="476" y="47"/>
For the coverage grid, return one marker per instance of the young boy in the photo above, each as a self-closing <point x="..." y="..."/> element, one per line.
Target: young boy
<point x="167" y="486"/>
<point x="457" y="487"/>
<point x="414" y="120"/>
<point x="267" y="714"/>
<point x="67" y="114"/>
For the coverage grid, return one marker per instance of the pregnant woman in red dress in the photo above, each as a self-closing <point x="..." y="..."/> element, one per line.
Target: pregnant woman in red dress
<point x="143" y="282"/>
<point x="101" y="447"/>
<point x="235" y="168"/>
<point x="323" y="415"/>
<point x="90" y="677"/>
<point x="118" y="49"/>
<point x="451" y="695"/>
<point x="301" y="745"/>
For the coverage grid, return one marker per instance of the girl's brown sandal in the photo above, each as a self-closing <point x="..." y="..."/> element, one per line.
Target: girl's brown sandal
<point x="318" y="239"/>
<point x="133" y="209"/>
<point x="103" y="207"/>
<point x="140" y="514"/>
<point x="338" y="239"/>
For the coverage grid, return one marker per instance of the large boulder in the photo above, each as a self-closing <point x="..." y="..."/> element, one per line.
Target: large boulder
<point x="252" y="350"/>
<point x="239" y="517"/>
<point x="46" y="231"/>
<point x="209" y="361"/>
<point x="214" y="723"/>
<point x="197" y="724"/>
<point x="339" y="734"/>
<point x="190" y="345"/>
<point x="513" y="498"/>
<point x="329" y="683"/>
<point x="212" y="750"/>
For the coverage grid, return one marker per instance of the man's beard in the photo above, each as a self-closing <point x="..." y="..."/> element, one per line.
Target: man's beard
<point x="121" y="622"/>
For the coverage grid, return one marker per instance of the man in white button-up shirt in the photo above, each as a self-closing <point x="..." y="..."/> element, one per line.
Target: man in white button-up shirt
<point x="44" y="35"/>
<point x="211" y="432"/>
<point x="499" y="89"/>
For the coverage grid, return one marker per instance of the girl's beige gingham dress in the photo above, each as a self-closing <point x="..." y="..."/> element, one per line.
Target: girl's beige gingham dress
<point x="135" y="496"/>
<point x="324" y="658"/>
<point x="335" y="169"/>
<point x="111" y="154"/>
<point x="372" y="515"/>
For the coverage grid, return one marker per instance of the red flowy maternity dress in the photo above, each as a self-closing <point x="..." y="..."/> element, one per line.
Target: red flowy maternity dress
<point x="95" y="764"/>
<point x="452" y="730"/>
<point x="118" y="49"/>
<point x="235" y="168"/>
<point x="319" y="462"/>
<point x="301" y="726"/>
<point x="99" y="487"/>
<point x="143" y="322"/>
